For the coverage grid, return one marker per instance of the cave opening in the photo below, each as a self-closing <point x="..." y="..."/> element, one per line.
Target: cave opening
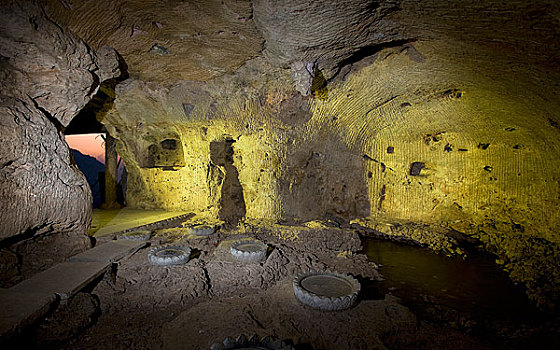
<point x="88" y="138"/>
<point x="232" y="202"/>
<point x="88" y="152"/>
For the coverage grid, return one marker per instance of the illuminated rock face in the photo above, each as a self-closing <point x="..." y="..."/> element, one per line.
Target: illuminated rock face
<point x="434" y="120"/>
<point x="47" y="76"/>
<point x="285" y="164"/>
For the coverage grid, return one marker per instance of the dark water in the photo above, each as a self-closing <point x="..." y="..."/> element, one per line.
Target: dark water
<point x="451" y="289"/>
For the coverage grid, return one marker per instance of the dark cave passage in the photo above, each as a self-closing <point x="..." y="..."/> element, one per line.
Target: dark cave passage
<point x="232" y="202"/>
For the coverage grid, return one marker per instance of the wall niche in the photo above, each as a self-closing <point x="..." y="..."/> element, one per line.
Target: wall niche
<point x="167" y="154"/>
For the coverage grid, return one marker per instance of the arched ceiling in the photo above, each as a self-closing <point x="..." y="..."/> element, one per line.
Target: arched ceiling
<point x="196" y="40"/>
<point x="166" y="41"/>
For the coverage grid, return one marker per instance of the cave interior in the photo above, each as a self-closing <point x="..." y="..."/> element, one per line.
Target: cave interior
<point x="413" y="146"/>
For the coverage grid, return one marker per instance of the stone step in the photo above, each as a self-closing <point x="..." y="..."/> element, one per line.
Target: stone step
<point x="31" y="299"/>
<point x="64" y="279"/>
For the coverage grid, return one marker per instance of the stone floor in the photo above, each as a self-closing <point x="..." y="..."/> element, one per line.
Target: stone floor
<point x="31" y="299"/>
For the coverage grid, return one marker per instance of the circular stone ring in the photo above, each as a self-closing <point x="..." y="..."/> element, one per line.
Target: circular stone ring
<point x="265" y="343"/>
<point x="169" y="255"/>
<point x="249" y="250"/>
<point x="201" y="230"/>
<point x="135" y="236"/>
<point x="326" y="290"/>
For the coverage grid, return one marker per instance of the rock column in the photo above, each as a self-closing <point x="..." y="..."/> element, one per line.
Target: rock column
<point x="110" y="173"/>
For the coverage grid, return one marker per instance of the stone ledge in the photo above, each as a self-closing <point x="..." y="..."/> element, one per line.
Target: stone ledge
<point x="31" y="299"/>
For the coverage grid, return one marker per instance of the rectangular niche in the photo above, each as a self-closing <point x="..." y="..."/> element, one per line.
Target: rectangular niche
<point x="167" y="154"/>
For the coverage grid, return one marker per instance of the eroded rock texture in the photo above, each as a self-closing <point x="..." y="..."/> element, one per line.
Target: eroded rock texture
<point x="166" y="40"/>
<point x="324" y="34"/>
<point x="47" y="76"/>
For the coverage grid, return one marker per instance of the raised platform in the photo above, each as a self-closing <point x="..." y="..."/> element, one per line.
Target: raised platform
<point x="24" y="303"/>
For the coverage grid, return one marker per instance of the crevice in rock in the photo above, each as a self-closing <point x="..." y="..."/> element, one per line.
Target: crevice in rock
<point x="208" y="281"/>
<point x="88" y="120"/>
<point x="416" y="168"/>
<point x="57" y="124"/>
<point x="381" y="104"/>
<point x="382" y="197"/>
<point x="368" y="51"/>
<point x="7" y="164"/>
<point x="29" y="234"/>
<point x="319" y="85"/>
<point x="251" y="315"/>
<point x="383" y="165"/>
<point x="68" y="321"/>
<point x="95" y="83"/>
<point x="554" y="123"/>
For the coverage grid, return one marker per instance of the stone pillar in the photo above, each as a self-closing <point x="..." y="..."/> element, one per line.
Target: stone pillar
<point x="110" y="173"/>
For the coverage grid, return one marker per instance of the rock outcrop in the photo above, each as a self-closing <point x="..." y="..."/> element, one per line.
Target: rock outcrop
<point x="47" y="75"/>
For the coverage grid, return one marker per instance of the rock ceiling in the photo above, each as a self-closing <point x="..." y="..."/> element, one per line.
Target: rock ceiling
<point x="196" y="40"/>
<point x="166" y="40"/>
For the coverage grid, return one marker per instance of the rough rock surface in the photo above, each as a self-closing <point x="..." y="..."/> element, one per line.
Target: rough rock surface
<point x="47" y="65"/>
<point x="166" y="41"/>
<point x="68" y="320"/>
<point x="276" y="312"/>
<point x="325" y="33"/>
<point x="47" y="76"/>
<point x="285" y="171"/>
<point x="363" y="140"/>
<point x="441" y="114"/>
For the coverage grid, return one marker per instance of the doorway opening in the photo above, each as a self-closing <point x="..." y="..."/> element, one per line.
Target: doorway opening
<point x="86" y="133"/>
<point x="88" y="151"/>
